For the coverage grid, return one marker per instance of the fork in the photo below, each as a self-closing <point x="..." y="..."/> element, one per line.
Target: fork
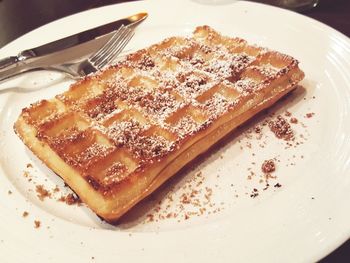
<point x="96" y="61"/>
<point x="101" y="58"/>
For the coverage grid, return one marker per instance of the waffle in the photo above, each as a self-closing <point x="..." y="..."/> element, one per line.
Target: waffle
<point x="117" y="135"/>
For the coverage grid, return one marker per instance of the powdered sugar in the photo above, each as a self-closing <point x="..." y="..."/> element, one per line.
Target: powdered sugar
<point x="149" y="102"/>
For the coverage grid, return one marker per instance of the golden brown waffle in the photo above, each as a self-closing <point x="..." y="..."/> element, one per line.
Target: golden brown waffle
<point x="116" y="136"/>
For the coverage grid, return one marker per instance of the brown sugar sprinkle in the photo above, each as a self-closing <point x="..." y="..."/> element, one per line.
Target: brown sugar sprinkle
<point x="195" y="200"/>
<point x="129" y="134"/>
<point x="160" y="105"/>
<point x="149" y="147"/>
<point x="125" y="132"/>
<point x="25" y="214"/>
<point x="150" y="217"/>
<point x="268" y="176"/>
<point x="115" y="173"/>
<point x="62" y="199"/>
<point x="268" y="166"/>
<point x="26" y="174"/>
<point x="37" y="223"/>
<point x="309" y="115"/>
<point x="56" y="189"/>
<point x="217" y="105"/>
<point x="92" y="151"/>
<point x="254" y="193"/>
<point x="29" y="165"/>
<point x="257" y="129"/>
<point x="186" y="125"/>
<point x="288" y="114"/>
<point x="70" y="199"/>
<point x="294" y="120"/>
<point x="42" y="193"/>
<point x="266" y="186"/>
<point x="281" y="128"/>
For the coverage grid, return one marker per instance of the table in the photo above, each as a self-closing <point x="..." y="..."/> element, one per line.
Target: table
<point x="335" y="13"/>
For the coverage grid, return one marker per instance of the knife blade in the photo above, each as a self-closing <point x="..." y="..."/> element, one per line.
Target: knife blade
<point x="65" y="43"/>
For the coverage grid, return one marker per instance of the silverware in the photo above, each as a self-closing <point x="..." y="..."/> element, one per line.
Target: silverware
<point x="81" y="44"/>
<point x="101" y="58"/>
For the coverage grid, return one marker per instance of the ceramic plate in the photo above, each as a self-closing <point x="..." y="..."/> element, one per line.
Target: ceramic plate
<point x="234" y="213"/>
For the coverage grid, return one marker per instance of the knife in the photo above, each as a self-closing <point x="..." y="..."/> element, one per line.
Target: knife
<point x="9" y="65"/>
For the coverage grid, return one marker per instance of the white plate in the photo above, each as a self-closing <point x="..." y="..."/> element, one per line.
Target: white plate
<point x="303" y="220"/>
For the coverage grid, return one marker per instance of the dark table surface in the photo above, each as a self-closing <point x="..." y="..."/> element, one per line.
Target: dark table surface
<point x="20" y="16"/>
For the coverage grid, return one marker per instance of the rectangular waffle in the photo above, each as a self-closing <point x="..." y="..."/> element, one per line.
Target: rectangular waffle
<point x="117" y="135"/>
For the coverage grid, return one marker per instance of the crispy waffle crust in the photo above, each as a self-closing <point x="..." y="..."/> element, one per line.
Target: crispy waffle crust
<point x="116" y="136"/>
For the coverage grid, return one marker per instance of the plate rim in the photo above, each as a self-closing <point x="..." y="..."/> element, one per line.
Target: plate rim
<point x="8" y="46"/>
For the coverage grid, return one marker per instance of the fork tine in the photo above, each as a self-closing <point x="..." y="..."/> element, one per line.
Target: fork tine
<point x="107" y="45"/>
<point x="108" y="48"/>
<point x="125" y="35"/>
<point x="122" y="45"/>
<point x="114" y="46"/>
<point x="117" y="49"/>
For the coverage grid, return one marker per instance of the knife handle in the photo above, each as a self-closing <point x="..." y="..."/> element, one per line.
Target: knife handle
<point x="6" y="62"/>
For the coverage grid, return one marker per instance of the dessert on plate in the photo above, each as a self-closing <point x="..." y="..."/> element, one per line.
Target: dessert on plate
<point x="115" y="136"/>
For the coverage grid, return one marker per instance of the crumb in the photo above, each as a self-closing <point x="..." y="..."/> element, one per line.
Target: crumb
<point x="9" y="192"/>
<point x="254" y="194"/>
<point x="287" y="114"/>
<point x="266" y="186"/>
<point x="37" y="223"/>
<point x="268" y="166"/>
<point x="150" y="217"/>
<point x="278" y="185"/>
<point x="281" y="128"/>
<point x="309" y="115"/>
<point x="192" y="199"/>
<point x="70" y="199"/>
<point x="294" y="120"/>
<point x="257" y="129"/>
<point x="29" y="165"/>
<point x="25" y="214"/>
<point x="42" y="193"/>
<point x="56" y="189"/>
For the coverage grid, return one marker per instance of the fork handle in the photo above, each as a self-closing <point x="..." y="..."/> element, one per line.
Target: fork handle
<point x="9" y="67"/>
<point x="6" y="62"/>
<point x="12" y="66"/>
